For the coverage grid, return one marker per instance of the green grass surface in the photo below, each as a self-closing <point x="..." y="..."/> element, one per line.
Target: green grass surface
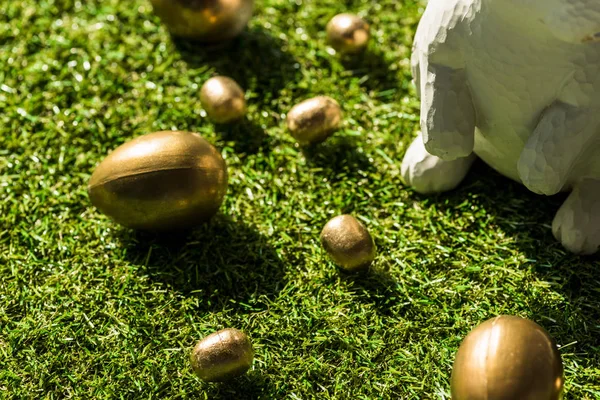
<point x="90" y="310"/>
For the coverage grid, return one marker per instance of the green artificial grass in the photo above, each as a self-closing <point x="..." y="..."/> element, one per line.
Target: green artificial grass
<point x="90" y="310"/>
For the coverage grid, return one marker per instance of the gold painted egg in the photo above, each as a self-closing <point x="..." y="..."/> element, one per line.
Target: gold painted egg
<point x="204" y="20"/>
<point x="222" y="356"/>
<point x="348" y="243"/>
<point x="160" y="182"/>
<point x="507" y="358"/>
<point x="348" y="34"/>
<point x="223" y="100"/>
<point x="314" y="120"/>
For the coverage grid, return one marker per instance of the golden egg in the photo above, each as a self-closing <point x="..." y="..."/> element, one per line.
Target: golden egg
<point x="204" y="20"/>
<point x="222" y="355"/>
<point x="348" y="243"/>
<point x="348" y="34"/>
<point x="161" y="181"/>
<point x="223" y="99"/>
<point x="314" y="120"/>
<point x="507" y="358"/>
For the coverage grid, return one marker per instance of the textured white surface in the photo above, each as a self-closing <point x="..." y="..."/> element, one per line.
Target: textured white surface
<point x="517" y="82"/>
<point x="577" y="223"/>
<point x="429" y="174"/>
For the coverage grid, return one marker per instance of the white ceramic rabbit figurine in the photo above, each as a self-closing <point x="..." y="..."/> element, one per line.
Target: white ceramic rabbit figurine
<point x="516" y="83"/>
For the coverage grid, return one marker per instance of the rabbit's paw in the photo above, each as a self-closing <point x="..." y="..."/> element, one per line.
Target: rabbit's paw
<point x="577" y="223"/>
<point x="427" y="173"/>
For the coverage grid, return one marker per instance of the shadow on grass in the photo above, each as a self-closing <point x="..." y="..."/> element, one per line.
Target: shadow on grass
<point x="374" y="69"/>
<point x="254" y="385"/>
<point x="526" y="220"/>
<point x="374" y="287"/>
<point x="247" y="137"/>
<point x="255" y="60"/>
<point x="222" y="263"/>
<point x="338" y="158"/>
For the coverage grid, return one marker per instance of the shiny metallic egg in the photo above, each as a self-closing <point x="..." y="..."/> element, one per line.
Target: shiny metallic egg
<point x="348" y="243"/>
<point x="162" y="181"/>
<point x="507" y="358"/>
<point x="222" y="356"/>
<point x="348" y="34"/>
<point x="223" y="100"/>
<point x="204" y="20"/>
<point x="314" y="120"/>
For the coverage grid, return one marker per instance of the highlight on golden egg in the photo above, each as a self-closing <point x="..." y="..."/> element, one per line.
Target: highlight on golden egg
<point x="314" y="120"/>
<point x="348" y="243"/>
<point x="222" y="355"/>
<point x="204" y="20"/>
<point x="223" y="100"/>
<point x="161" y="181"/>
<point x="507" y="357"/>
<point x="348" y="34"/>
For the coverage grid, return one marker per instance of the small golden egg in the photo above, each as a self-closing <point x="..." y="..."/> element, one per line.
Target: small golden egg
<point x="348" y="243"/>
<point x="348" y="34"/>
<point x="222" y="356"/>
<point x="507" y="358"/>
<point x="223" y="100"/>
<point x="204" y="20"/>
<point x="161" y="181"/>
<point x="314" y="120"/>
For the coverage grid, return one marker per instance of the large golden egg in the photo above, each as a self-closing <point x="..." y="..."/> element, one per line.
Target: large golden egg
<point x="314" y="120"/>
<point x="507" y="358"/>
<point x="161" y="181"/>
<point x="348" y="243"/>
<point x="223" y="100"/>
<point x="204" y="20"/>
<point x="222" y="355"/>
<point x="348" y="34"/>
